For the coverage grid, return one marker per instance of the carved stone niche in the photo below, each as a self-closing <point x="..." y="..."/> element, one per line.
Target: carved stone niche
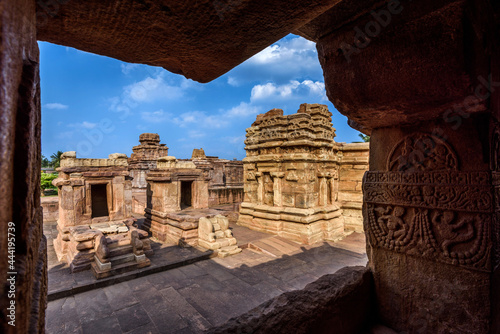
<point x="428" y="215"/>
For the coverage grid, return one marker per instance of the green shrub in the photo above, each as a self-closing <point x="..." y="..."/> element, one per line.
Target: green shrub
<point x="46" y="181"/>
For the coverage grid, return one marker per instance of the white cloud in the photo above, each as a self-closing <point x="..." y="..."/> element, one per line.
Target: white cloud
<point x="200" y="118"/>
<point x="242" y="110"/>
<point x="153" y="89"/>
<point x="295" y="49"/>
<point x="160" y="86"/>
<point x="65" y="135"/>
<point x="57" y="106"/>
<point x="82" y="125"/>
<point x="232" y="81"/>
<point x="290" y="59"/>
<point x="127" y="67"/>
<point x="218" y="120"/>
<point x="88" y="125"/>
<point x="196" y="134"/>
<point x="306" y="89"/>
<point x="158" y="116"/>
<point x="237" y="140"/>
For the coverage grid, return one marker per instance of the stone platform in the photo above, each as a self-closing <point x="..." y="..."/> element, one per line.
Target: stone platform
<point x="63" y="283"/>
<point x="181" y="227"/>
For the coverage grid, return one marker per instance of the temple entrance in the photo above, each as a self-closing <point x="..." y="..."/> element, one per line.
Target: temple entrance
<point x="99" y="198"/>
<point x="186" y="194"/>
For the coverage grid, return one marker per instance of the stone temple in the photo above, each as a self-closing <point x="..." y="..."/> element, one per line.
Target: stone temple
<point x="143" y="159"/>
<point x="99" y="198"/>
<point x="95" y="222"/>
<point x="420" y="77"/>
<point x="293" y="173"/>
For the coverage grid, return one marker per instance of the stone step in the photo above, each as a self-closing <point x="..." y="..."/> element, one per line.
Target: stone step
<point x="119" y="269"/>
<point x="264" y="248"/>
<point x="122" y="250"/>
<point x="115" y="243"/>
<point x="274" y="246"/>
<point x="228" y="250"/>
<point x="282" y="244"/>
<point x="117" y="260"/>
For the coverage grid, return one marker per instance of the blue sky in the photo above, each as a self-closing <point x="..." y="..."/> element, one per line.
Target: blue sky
<point x="97" y="105"/>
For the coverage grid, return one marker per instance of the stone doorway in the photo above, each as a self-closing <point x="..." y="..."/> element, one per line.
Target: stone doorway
<point x="99" y="198"/>
<point x="186" y="194"/>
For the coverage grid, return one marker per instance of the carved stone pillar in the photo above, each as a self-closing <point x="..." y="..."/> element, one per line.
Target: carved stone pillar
<point x="277" y="177"/>
<point x="332" y="192"/>
<point x="323" y="188"/>
<point x="422" y="78"/>
<point x="260" y="187"/>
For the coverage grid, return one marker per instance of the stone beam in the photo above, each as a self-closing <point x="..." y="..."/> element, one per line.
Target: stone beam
<point x="200" y="39"/>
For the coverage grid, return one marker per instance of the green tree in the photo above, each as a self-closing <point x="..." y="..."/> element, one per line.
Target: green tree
<point x="366" y="139"/>
<point x="56" y="159"/>
<point x="45" y="162"/>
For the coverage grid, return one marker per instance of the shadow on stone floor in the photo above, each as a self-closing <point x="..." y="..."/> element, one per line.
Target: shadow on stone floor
<point x="199" y="296"/>
<point x="63" y="283"/>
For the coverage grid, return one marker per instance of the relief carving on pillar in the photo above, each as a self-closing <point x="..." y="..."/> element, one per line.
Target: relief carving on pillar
<point x="425" y="206"/>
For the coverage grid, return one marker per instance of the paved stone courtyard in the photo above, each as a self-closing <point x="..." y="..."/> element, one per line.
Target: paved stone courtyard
<point x="195" y="297"/>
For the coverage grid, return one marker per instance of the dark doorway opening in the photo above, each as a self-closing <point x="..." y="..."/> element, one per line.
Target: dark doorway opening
<point x="186" y="194"/>
<point x="99" y="198"/>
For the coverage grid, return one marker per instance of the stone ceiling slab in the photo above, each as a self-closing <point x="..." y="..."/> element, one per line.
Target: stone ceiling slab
<point x="199" y="39"/>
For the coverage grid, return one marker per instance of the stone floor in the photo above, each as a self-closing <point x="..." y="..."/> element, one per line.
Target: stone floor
<point x="63" y="283"/>
<point x="195" y="297"/>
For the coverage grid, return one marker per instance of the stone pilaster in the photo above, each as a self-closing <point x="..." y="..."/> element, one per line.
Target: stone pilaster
<point x="277" y="177"/>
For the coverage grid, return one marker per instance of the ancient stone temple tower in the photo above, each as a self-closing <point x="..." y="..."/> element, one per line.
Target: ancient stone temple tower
<point x="290" y="175"/>
<point x="142" y="160"/>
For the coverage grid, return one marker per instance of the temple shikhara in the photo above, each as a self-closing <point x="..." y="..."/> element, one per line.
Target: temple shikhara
<point x="421" y="78"/>
<point x="293" y="173"/>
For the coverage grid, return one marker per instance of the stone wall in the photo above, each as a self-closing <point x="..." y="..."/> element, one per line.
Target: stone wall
<point x="353" y="165"/>
<point x="50" y="207"/>
<point x="219" y="196"/>
<point x="20" y="163"/>
<point x="226" y="178"/>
